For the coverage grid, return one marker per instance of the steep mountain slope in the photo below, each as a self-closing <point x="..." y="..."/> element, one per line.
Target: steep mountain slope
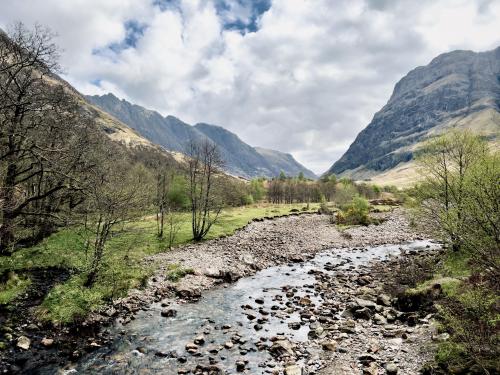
<point x="284" y="162"/>
<point x="173" y="134"/>
<point x="457" y="89"/>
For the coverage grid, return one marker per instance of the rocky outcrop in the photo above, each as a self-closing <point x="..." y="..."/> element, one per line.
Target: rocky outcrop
<point x="453" y="86"/>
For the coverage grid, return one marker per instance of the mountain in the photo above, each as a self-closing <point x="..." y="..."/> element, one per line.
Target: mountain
<point x="173" y="134"/>
<point x="284" y="162"/>
<point x="459" y="89"/>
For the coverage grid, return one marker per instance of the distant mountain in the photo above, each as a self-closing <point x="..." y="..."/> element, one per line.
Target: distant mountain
<point x="284" y="162"/>
<point x="171" y="133"/>
<point x="457" y="89"/>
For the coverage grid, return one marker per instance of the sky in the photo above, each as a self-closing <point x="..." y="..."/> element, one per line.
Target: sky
<point x="299" y="76"/>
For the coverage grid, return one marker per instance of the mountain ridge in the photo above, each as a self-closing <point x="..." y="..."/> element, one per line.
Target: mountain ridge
<point x="451" y="89"/>
<point x="173" y="134"/>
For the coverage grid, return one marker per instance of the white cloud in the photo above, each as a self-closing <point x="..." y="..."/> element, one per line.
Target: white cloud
<point x="306" y="82"/>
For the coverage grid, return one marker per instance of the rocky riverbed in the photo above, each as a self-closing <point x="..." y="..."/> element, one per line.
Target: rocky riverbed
<point x="360" y="330"/>
<point x="326" y="315"/>
<point x="260" y="245"/>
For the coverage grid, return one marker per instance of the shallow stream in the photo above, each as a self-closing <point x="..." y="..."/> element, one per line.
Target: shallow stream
<point x="152" y="344"/>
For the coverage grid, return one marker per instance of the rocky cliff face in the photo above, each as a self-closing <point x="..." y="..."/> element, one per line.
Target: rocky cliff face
<point x="455" y="86"/>
<point x="171" y="133"/>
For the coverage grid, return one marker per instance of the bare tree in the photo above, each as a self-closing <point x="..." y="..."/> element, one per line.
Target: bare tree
<point x="115" y="195"/>
<point x="204" y="163"/>
<point x="161" y="200"/>
<point x="43" y="137"/>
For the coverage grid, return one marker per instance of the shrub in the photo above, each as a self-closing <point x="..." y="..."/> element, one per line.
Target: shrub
<point x="248" y="199"/>
<point x="323" y="207"/>
<point x="472" y="319"/>
<point x="344" y="194"/>
<point x="356" y="213"/>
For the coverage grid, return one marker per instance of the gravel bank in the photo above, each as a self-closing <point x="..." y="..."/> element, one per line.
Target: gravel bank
<point x="260" y="245"/>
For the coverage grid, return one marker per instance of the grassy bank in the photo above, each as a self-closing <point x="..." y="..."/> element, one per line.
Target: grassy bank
<point x="467" y="319"/>
<point x="122" y="268"/>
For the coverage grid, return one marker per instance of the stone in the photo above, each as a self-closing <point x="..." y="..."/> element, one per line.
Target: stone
<point x="282" y="347"/>
<point x="23" y="342"/>
<point x="329" y="345"/>
<point x="293" y="370"/>
<point x="199" y="340"/>
<point x="365" y="303"/>
<point x="257" y="327"/>
<point x="379" y="319"/>
<point x="47" y="342"/>
<point x="384" y="300"/>
<point x="240" y="366"/>
<point x="191" y="346"/>
<point x="364" y="313"/>
<point x="168" y="313"/>
<point x="228" y="345"/>
<point x="366" y="359"/>
<point x="391" y="369"/>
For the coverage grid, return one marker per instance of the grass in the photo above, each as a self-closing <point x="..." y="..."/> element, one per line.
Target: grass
<point x="381" y="208"/>
<point x="449" y="275"/>
<point x="177" y="272"/>
<point x="122" y="268"/>
<point x="12" y="288"/>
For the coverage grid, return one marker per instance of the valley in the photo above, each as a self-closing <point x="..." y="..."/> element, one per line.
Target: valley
<point x="132" y="242"/>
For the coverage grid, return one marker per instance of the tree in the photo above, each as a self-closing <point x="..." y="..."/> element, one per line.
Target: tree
<point x="257" y="189"/>
<point x="161" y="200"/>
<point x="446" y="162"/>
<point x="204" y="163"/>
<point x="480" y="229"/>
<point x="116" y="194"/>
<point x="43" y="137"/>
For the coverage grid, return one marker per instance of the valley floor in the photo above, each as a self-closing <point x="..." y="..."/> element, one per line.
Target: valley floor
<point x="185" y="272"/>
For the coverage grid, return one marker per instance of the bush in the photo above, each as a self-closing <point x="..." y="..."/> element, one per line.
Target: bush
<point x="248" y="199"/>
<point x="323" y="207"/>
<point x="356" y="213"/>
<point x="472" y="319"/>
<point x="344" y="194"/>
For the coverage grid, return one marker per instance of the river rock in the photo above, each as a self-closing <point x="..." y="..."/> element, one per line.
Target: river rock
<point x="365" y="303"/>
<point x="23" y="342"/>
<point x="391" y="369"/>
<point x="379" y="319"/>
<point x="191" y="346"/>
<point x="47" y="342"/>
<point x="281" y="348"/>
<point x="240" y="366"/>
<point x="364" y="313"/>
<point x="293" y="370"/>
<point x="329" y="345"/>
<point x="199" y="340"/>
<point x="168" y="313"/>
<point x="384" y="300"/>
<point x="188" y="293"/>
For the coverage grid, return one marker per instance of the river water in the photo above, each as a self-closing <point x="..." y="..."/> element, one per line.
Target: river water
<point x="152" y="344"/>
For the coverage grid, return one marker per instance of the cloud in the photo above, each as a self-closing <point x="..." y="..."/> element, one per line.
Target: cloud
<point x="299" y="76"/>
